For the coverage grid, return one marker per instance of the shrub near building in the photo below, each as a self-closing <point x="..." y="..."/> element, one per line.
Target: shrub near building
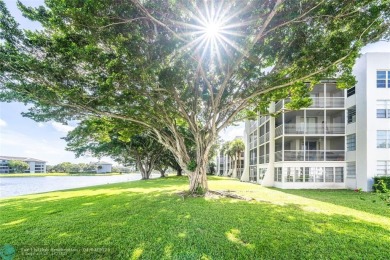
<point x="382" y="184"/>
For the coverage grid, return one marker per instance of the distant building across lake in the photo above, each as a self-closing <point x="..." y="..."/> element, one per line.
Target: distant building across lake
<point x="103" y="167"/>
<point x="35" y="165"/>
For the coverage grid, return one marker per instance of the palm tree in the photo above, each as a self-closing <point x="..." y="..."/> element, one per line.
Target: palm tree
<point x="225" y="151"/>
<point x="236" y="147"/>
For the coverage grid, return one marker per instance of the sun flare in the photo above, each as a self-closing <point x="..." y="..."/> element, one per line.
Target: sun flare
<point x="214" y="31"/>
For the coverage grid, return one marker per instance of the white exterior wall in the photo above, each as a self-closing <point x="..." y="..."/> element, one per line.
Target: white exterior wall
<point x="310" y="185"/>
<point x="32" y="167"/>
<point x="367" y="124"/>
<point x="105" y="168"/>
<point x="296" y="144"/>
<point x="245" y="174"/>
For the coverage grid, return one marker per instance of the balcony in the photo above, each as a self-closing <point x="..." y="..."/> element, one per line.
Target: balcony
<point x="263" y="119"/>
<point x="312" y="155"/>
<point x="279" y="105"/>
<point x="322" y="102"/>
<point x="310" y="128"/>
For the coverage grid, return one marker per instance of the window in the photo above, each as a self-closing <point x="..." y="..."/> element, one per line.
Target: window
<point x="329" y="174"/>
<point x="299" y="174"/>
<point x="290" y="175"/>
<point x="252" y="157"/>
<point x="383" y="79"/>
<point x="350" y="91"/>
<point x="319" y="173"/>
<point x="383" y="139"/>
<point x="310" y="174"/>
<point x="383" y="109"/>
<point x="252" y="174"/>
<point x="351" y="142"/>
<point x="351" y="170"/>
<point x="383" y="168"/>
<point x="262" y="172"/>
<point x="339" y="174"/>
<point x="278" y="174"/>
<point x="351" y="115"/>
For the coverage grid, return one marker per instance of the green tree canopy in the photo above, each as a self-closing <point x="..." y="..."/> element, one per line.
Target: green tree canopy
<point x="18" y="166"/>
<point x="167" y="64"/>
<point x="122" y="142"/>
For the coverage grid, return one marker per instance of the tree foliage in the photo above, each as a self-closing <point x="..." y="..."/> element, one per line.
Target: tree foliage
<point x="18" y="166"/>
<point x="122" y="142"/>
<point x="143" y="62"/>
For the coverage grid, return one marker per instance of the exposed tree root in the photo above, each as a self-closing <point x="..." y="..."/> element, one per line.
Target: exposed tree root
<point x="213" y="194"/>
<point x="229" y="194"/>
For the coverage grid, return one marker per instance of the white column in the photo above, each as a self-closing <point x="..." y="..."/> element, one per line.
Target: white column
<point x="245" y="174"/>
<point x="268" y="180"/>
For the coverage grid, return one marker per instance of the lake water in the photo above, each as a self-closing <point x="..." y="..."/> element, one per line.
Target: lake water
<point x="15" y="186"/>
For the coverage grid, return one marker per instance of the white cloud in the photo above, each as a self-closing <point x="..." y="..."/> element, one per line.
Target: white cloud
<point x="40" y="124"/>
<point x="62" y="128"/>
<point x="3" y="123"/>
<point x="13" y="143"/>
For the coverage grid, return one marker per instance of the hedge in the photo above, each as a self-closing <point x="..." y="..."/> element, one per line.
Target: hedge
<point x="386" y="180"/>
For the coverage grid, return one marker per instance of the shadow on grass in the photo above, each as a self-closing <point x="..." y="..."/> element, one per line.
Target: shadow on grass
<point x="363" y="201"/>
<point x="158" y="224"/>
<point x="170" y="184"/>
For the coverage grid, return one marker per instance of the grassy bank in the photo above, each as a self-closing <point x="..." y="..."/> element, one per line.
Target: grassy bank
<point x="148" y="220"/>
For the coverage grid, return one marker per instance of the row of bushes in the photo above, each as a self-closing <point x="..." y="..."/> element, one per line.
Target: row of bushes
<point x="382" y="184"/>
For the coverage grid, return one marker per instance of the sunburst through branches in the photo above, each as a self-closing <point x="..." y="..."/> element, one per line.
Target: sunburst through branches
<point x="214" y="29"/>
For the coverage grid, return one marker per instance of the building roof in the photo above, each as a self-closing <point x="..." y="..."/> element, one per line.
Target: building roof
<point x="103" y="163"/>
<point x="24" y="159"/>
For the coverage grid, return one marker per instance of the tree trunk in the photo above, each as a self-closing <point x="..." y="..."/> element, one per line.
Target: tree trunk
<point x="144" y="169"/>
<point x="162" y="172"/>
<point x="198" y="178"/>
<point x="179" y="171"/>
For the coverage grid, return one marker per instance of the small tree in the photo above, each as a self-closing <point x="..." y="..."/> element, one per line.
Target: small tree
<point x="18" y="166"/>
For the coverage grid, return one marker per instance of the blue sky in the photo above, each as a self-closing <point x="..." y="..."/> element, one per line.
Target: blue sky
<point x="21" y="136"/>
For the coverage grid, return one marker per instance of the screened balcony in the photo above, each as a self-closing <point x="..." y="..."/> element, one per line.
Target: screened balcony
<point x="310" y="149"/>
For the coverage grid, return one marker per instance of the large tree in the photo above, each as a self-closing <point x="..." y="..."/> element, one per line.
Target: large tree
<point x="168" y="64"/>
<point x="18" y="166"/>
<point x="123" y="142"/>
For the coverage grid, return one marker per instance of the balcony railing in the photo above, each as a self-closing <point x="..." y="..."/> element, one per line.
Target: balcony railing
<point x="252" y="125"/>
<point x="312" y="155"/>
<point x="311" y="128"/>
<point x="278" y="130"/>
<point x="334" y="102"/>
<point x="262" y="139"/>
<point x="335" y="128"/>
<point x="279" y="105"/>
<point x="263" y="119"/>
<point x="294" y="155"/>
<point x="335" y="155"/>
<point x="278" y="156"/>
<point x="261" y="159"/>
<point x="322" y="102"/>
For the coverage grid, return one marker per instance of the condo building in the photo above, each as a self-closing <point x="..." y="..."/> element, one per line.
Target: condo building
<point x="35" y="165"/>
<point x="341" y="141"/>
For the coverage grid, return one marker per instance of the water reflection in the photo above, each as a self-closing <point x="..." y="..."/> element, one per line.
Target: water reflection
<point x="16" y="186"/>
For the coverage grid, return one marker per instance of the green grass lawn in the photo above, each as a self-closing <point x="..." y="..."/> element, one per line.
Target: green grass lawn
<point x="148" y="220"/>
